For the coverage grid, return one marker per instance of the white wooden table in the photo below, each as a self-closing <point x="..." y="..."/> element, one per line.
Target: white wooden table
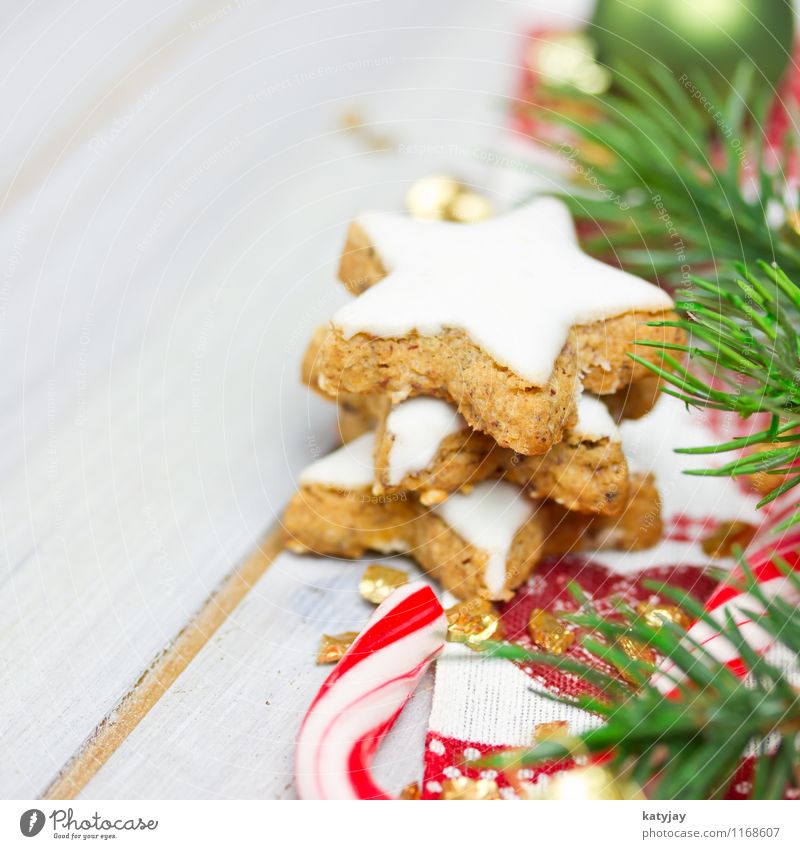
<point x="175" y="183"/>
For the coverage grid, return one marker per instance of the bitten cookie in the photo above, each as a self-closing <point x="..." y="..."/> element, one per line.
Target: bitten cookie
<point x="334" y="512"/>
<point x="357" y="413"/>
<point x="503" y="318"/>
<point x="485" y="542"/>
<point x="482" y="544"/>
<point x="423" y="445"/>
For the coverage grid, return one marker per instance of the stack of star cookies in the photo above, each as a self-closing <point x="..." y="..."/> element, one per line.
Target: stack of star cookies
<point x="480" y="372"/>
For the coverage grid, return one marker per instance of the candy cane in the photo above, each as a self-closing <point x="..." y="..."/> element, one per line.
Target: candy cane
<point x="728" y="598"/>
<point x="362" y="697"/>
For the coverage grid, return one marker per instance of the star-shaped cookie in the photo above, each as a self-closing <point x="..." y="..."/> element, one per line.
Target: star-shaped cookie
<point x="503" y="318"/>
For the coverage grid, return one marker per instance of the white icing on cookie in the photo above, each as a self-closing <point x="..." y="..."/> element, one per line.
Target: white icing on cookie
<point x="594" y="421"/>
<point x="488" y="518"/>
<point x="349" y="467"/>
<point x="516" y="284"/>
<point x="417" y="428"/>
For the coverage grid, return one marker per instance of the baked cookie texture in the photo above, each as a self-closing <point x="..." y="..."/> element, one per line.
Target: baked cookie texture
<point x="342" y="523"/>
<point x="582" y="476"/>
<point x="451" y="366"/>
<point x="461" y="567"/>
<point x="328" y="518"/>
<point x="506" y="323"/>
<point x="360" y="266"/>
<point x="525" y="418"/>
<point x="357" y="413"/>
<point x="462" y="459"/>
<point x="334" y="522"/>
<point x="601" y="347"/>
<point x="585" y="472"/>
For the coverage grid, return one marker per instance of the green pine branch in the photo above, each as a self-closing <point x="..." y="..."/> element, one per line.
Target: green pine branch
<point x="743" y="355"/>
<point x="689" y="746"/>
<point x="677" y="183"/>
<point x="675" y="186"/>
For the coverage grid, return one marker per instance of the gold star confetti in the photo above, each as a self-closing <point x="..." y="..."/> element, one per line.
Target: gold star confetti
<point x="379" y="582"/>
<point x="411" y="791"/>
<point x="473" y="622"/>
<point x="333" y="646"/>
<point x="590" y="782"/>
<point x="657" y="614"/>
<point x="549" y="633"/>
<point x="636" y="651"/>
<point x="721" y="542"/>
<point x="469" y="789"/>
<point x="550" y="730"/>
<point x="443" y="198"/>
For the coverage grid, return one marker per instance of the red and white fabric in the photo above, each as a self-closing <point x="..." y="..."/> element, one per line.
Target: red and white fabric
<point x="484" y="704"/>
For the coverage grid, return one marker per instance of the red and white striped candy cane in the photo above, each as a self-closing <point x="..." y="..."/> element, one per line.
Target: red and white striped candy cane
<point x="728" y="598"/>
<point x="362" y="697"/>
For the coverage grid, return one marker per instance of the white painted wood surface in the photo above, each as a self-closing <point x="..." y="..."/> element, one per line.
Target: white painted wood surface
<point x="226" y="729"/>
<point x="175" y="185"/>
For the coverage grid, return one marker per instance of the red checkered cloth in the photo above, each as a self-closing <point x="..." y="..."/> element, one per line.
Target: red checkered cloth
<point x="481" y="704"/>
<point x="484" y="704"/>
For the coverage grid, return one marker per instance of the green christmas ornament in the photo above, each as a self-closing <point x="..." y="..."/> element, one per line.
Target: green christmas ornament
<point x="689" y="36"/>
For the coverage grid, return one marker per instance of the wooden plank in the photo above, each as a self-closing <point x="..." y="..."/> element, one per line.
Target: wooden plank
<point x="168" y="258"/>
<point x="144" y="320"/>
<point x="163" y="672"/>
<point x="227" y="726"/>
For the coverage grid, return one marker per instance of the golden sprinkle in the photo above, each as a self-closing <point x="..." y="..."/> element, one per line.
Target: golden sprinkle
<point x="721" y="542"/>
<point x="548" y="633"/>
<point x="411" y="791"/>
<point x="473" y="622"/>
<point x="351" y="120"/>
<point x="332" y="647"/>
<point x="469" y="789"/>
<point x="550" y="730"/>
<point x="429" y="497"/>
<point x="590" y="782"/>
<point x="657" y="614"/>
<point x="636" y="651"/>
<point x="354" y="123"/>
<point x="379" y="582"/>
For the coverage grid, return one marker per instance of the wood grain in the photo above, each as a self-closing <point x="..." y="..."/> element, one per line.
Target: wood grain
<point x="163" y="671"/>
<point x="176" y="196"/>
